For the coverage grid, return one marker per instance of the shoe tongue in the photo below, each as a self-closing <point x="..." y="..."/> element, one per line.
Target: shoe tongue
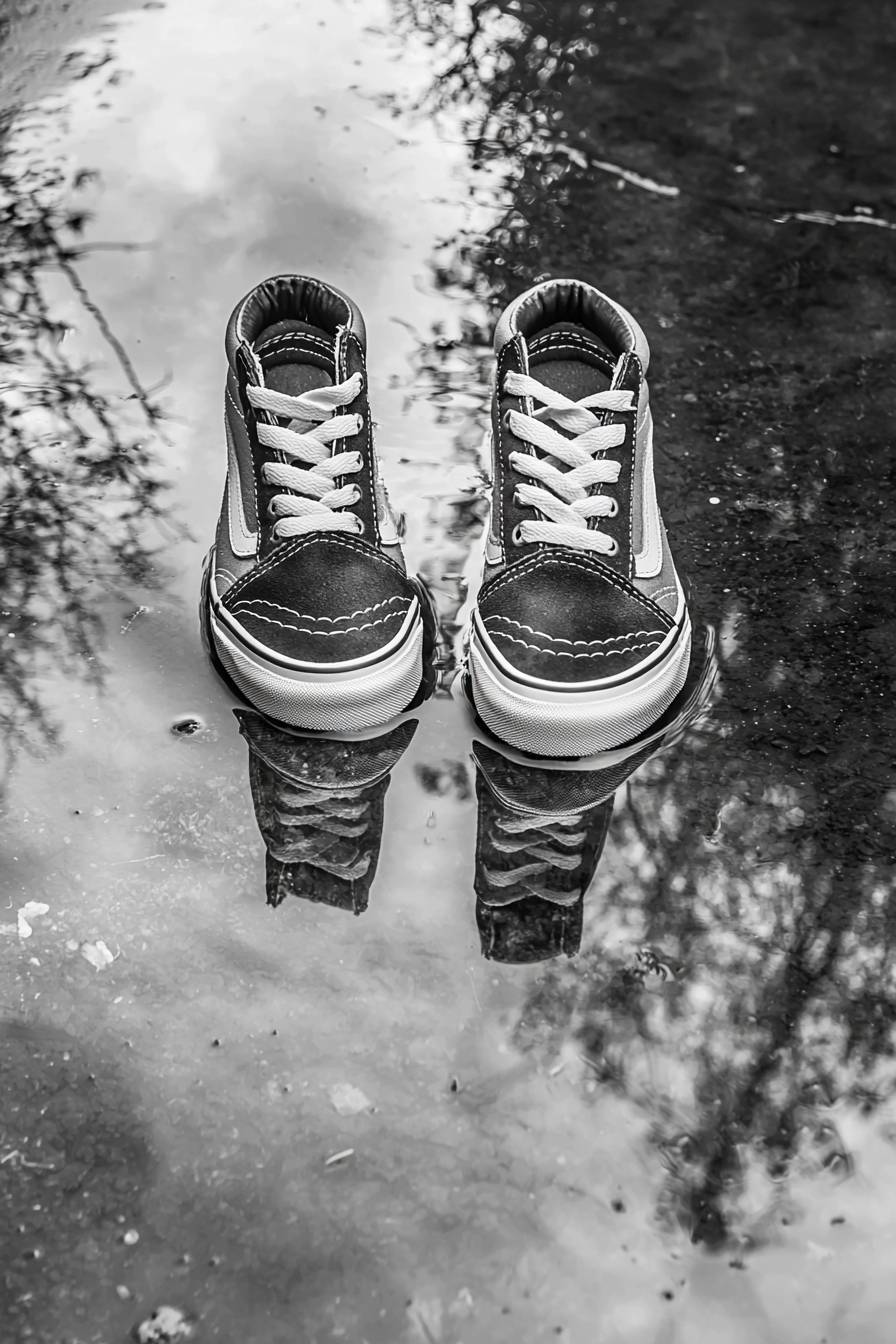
<point x="296" y="356"/>
<point x="570" y="360"/>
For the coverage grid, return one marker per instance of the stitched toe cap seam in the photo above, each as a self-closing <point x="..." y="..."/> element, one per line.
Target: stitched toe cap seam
<point x="249" y="605"/>
<point x="656" y="636"/>
<point x="241" y="611"/>
<point x="597" y="656"/>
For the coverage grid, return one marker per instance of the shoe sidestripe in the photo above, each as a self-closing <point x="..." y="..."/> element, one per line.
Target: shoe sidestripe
<point x="649" y="560"/>
<point x="243" y="541"/>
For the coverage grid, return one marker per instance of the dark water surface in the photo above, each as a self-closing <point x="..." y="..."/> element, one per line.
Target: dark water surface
<point x="594" y="1071"/>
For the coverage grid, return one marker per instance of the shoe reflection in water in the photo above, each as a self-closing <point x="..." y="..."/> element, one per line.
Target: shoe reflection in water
<point x="319" y="806"/>
<point x="541" y="829"/>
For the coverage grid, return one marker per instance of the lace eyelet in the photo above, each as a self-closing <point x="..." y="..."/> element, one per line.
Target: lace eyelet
<point x="614" y="549"/>
<point x="360" y="527"/>
<point x="516" y="536"/>
<point x="505" y="420"/>
<point x="614" y="509"/>
<point x="359" y="420"/>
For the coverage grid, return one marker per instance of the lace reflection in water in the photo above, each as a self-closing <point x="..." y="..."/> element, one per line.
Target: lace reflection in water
<point x="541" y="829"/>
<point x="319" y="806"/>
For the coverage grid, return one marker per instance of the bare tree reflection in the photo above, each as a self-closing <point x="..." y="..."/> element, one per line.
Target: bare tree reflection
<point x="79" y="482"/>
<point x="756" y="861"/>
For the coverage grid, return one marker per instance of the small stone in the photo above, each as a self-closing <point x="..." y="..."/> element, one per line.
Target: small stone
<point x="187" y="726"/>
<point x="131" y="1237"/>
<point x="123" y="1291"/>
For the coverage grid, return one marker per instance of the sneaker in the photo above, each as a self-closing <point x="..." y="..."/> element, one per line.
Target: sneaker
<point x="309" y="612"/>
<point x="319" y="807"/>
<point x="580" y="635"/>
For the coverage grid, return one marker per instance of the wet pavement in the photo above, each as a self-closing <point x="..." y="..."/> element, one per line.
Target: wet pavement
<point x="406" y="1039"/>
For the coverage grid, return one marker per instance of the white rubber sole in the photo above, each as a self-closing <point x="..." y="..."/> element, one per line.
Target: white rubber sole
<point x="550" y="719"/>
<point x="342" y="698"/>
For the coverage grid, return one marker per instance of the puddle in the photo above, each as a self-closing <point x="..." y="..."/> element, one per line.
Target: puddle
<point x="623" y="1030"/>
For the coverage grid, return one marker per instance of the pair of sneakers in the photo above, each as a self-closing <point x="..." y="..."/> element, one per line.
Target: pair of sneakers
<point x="579" y="636"/>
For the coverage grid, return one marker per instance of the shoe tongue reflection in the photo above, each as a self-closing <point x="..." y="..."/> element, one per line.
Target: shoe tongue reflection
<point x="323" y="762"/>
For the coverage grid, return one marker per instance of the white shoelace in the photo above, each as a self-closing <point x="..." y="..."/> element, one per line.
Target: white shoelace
<point x="562" y="494"/>
<point x="312" y="429"/>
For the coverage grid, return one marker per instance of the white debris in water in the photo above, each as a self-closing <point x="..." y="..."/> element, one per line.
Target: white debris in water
<point x="635" y="179"/>
<point x="97" y="954"/>
<point x="349" y="1100"/>
<point x="30" y="910"/>
<point x="830" y="218"/>
<point x="167" y="1325"/>
<point x="463" y="1304"/>
<point x="339" y="1157"/>
<point x="126" y="625"/>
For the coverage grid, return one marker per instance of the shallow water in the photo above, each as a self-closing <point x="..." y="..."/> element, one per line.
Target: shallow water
<point x="661" y="1111"/>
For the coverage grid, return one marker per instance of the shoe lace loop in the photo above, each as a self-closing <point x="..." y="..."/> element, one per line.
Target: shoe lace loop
<point x="322" y="828"/>
<point x="314" y="502"/>
<point x="555" y="847"/>
<point x="564" y="478"/>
